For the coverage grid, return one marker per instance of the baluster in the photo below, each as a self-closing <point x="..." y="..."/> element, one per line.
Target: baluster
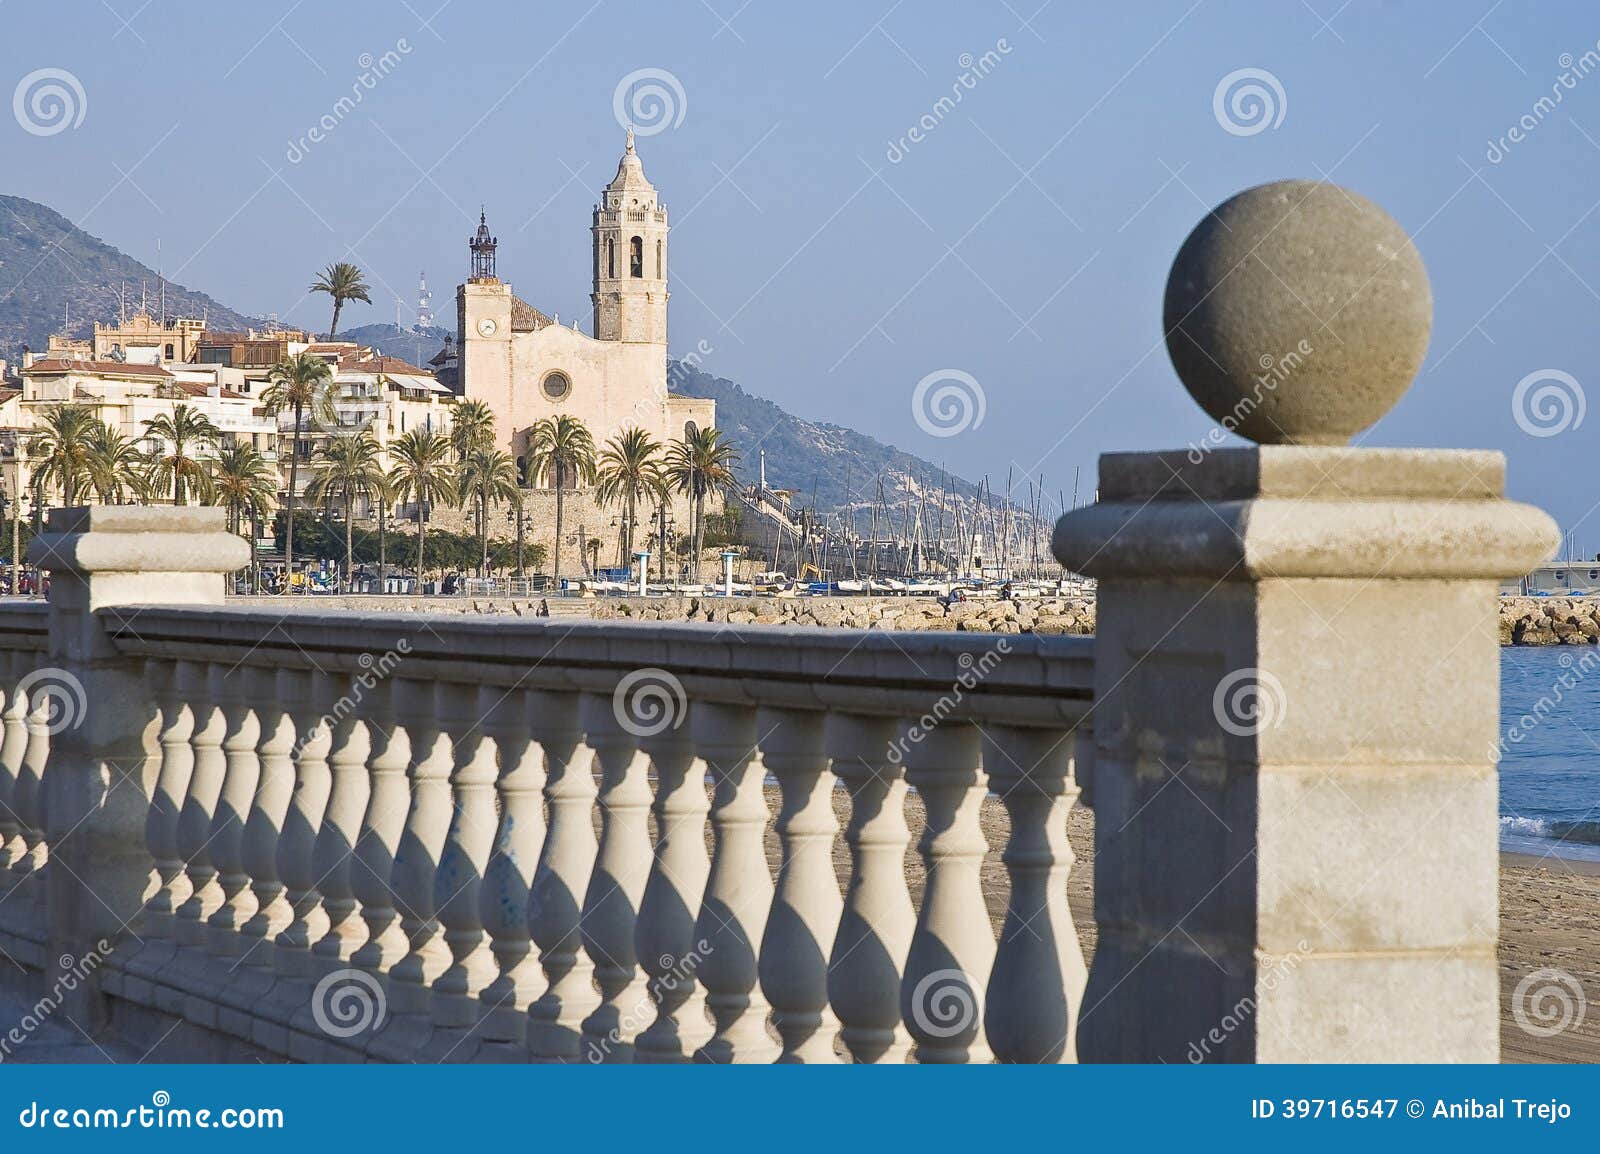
<point x="255" y="972"/>
<point x="503" y="902"/>
<point x="307" y="804"/>
<point x="952" y="948"/>
<point x="47" y="698"/>
<point x="415" y="863"/>
<point x="195" y="822"/>
<point x="12" y="743"/>
<point x="806" y="904"/>
<point x="349" y="745"/>
<point x="739" y="890"/>
<point x="663" y="936"/>
<point x="458" y="882"/>
<point x="226" y="686"/>
<point x="555" y="1021"/>
<point x="381" y="828"/>
<point x="14" y="854"/>
<point x="869" y="953"/>
<point x="33" y="710"/>
<point x="1036" y="989"/>
<point x="622" y="866"/>
<point x="161" y="820"/>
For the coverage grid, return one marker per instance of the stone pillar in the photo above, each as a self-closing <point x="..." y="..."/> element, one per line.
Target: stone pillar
<point x="104" y="758"/>
<point x="1296" y="672"/>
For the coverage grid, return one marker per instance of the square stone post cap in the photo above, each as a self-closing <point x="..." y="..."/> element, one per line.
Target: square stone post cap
<point x="128" y="554"/>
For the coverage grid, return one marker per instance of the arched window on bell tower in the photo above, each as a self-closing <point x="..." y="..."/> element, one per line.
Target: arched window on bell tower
<point x="636" y="256"/>
<point x="611" y="258"/>
<point x="661" y="262"/>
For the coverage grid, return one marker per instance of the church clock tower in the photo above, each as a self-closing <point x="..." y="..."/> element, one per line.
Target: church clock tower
<point x="630" y="257"/>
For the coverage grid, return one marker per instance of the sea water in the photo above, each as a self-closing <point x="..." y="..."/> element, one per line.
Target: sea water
<point x="1550" y="750"/>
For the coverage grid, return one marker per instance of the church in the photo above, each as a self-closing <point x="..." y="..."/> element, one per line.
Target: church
<point x="525" y="366"/>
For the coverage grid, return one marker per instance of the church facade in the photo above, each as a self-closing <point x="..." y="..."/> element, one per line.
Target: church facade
<point x="526" y="367"/>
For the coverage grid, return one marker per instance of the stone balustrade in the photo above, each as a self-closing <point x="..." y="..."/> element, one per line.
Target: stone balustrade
<point x="405" y="837"/>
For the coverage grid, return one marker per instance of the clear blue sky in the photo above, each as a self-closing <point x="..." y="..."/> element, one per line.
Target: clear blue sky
<point x="1025" y="240"/>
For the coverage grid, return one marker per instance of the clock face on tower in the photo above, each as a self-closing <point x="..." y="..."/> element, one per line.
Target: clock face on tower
<point x="487" y="326"/>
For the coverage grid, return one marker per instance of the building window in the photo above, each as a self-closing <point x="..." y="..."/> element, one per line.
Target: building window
<point x="636" y="257"/>
<point x="611" y="258"/>
<point x="661" y="262"/>
<point x="556" y="386"/>
<point x="169" y="352"/>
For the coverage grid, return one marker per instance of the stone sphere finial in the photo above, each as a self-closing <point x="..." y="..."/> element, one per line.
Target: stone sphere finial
<point x="1297" y="313"/>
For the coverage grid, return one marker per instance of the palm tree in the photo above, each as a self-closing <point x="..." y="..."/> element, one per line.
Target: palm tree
<point x="297" y="384"/>
<point x="561" y="450"/>
<point x="116" y="467"/>
<point x="422" y="473"/>
<point x="62" y="447"/>
<point x="181" y="428"/>
<point x="488" y="477"/>
<point x="244" y="483"/>
<point x="472" y="427"/>
<point x="348" y="467"/>
<point x="343" y="282"/>
<point x="629" y="469"/>
<point x="700" y="463"/>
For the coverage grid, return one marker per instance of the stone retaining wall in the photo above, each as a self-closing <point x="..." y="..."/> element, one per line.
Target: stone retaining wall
<point x="1057" y="615"/>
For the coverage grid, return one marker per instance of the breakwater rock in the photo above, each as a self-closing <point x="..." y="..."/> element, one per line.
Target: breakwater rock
<point x="1549" y="621"/>
<point x="1049" y="615"/>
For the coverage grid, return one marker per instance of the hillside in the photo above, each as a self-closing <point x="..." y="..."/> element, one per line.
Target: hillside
<point x="52" y="272"/>
<point x="394" y="341"/>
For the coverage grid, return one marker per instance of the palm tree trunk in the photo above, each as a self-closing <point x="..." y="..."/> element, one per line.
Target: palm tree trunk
<point x="334" y="327"/>
<point x="422" y="536"/>
<point x="483" y="534"/>
<point x="382" y="516"/>
<point x="556" y="570"/>
<point x="349" y="542"/>
<point x="294" y="474"/>
<point x="699" y="534"/>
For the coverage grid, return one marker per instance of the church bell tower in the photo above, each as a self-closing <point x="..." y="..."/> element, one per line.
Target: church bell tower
<point x="630" y="257"/>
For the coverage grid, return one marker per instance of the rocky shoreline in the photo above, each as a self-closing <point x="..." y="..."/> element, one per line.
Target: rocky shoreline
<point x="1549" y="621"/>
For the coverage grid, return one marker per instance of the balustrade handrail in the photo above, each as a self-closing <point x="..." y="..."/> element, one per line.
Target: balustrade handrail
<point x="1016" y="678"/>
<point x="24" y="625"/>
